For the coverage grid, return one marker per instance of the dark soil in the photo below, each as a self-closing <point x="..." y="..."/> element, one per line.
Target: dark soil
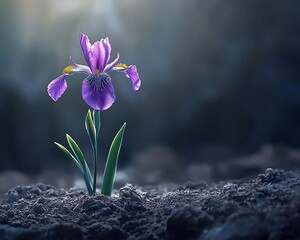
<point x="267" y="207"/>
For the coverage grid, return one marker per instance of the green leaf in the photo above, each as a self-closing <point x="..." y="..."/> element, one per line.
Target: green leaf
<point x="80" y="157"/>
<point x="112" y="162"/>
<point x="78" y="163"/>
<point x="76" y="150"/>
<point x="90" y="128"/>
<point x="66" y="151"/>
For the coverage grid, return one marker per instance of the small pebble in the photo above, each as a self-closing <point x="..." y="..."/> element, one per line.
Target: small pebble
<point x="41" y="186"/>
<point x="20" y="190"/>
<point x="269" y="172"/>
<point x="229" y="186"/>
<point x="10" y="214"/>
<point x="13" y="196"/>
<point x="262" y="177"/>
<point x="30" y="216"/>
<point x="35" y="190"/>
<point x="41" y="200"/>
<point x="38" y="208"/>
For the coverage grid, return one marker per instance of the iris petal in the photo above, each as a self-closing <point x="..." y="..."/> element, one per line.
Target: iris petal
<point x="131" y="72"/>
<point x="85" y="46"/>
<point x="79" y="68"/>
<point x="57" y="87"/>
<point x="108" y="49"/>
<point x="98" y="91"/>
<point x="100" y="54"/>
<point x="112" y="64"/>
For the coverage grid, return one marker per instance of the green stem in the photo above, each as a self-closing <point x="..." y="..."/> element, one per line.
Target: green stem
<point x="96" y="119"/>
<point x="95" y="166"/>
<point x="88" y="186"/>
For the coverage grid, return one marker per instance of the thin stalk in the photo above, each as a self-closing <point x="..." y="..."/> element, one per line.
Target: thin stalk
<point x="95" y="153"/>
<point x="96" y="119"/>
<point x="88" y="186"/>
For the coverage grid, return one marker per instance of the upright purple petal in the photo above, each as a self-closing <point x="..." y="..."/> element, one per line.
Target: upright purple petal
<point x="98" y="91"/>
<point x="108" y="49"/>
<point x="100" y="54"/>
<point x="131" y="72"/>
<point x="57" y="87"/>
<point x="85" y="46"/>
<point x="112" y="64"/>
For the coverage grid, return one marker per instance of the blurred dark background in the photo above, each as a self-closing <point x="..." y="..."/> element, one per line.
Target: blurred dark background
<point x="220" y="94"/>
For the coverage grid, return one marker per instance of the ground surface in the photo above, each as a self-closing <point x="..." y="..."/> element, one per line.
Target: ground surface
<point x="267" y="207"/>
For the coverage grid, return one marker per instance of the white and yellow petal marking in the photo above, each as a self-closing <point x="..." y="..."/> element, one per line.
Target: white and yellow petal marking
<point x="68" y="69"/>
<point x="121" y="65"/>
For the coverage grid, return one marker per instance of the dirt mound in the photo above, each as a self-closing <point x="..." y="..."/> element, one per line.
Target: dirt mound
<point x="267" y="207"/>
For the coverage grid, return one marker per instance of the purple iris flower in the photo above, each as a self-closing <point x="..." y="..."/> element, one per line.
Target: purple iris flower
<point x="97" y="88"/>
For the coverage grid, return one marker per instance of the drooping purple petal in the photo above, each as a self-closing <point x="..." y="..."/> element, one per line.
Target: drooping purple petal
<point x="98" y="91"/>
<point x="57" y="87"/>
<point x="99" y="55"/>
<point x="85" y="46"/>
<point x="112" y="64"/>
<point x="131" y="72"/>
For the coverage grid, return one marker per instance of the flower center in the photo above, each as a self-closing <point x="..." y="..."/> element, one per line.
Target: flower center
<point x="96" y="71"/>
<point x="99" y="81"/>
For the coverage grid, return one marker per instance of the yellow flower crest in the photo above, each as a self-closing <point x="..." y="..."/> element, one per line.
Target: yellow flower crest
<point x="68" y="69"/>
<point x="121" y="65"/>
